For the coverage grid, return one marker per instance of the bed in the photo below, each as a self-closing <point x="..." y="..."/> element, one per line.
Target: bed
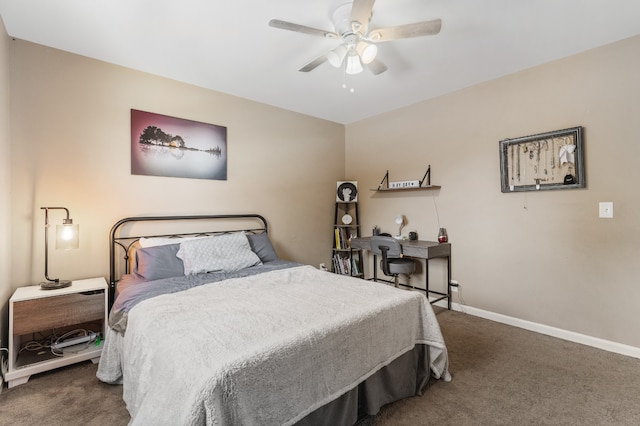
<point x="208" y="326"/>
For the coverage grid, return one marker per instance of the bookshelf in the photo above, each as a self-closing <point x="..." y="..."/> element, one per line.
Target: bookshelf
<point x="346" y="260"/>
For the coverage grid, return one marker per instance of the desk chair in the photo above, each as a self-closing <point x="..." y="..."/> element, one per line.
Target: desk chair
<point x="392" y="262"/>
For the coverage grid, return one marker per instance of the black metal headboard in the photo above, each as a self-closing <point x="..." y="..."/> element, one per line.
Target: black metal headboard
<point x="122" y="243"/>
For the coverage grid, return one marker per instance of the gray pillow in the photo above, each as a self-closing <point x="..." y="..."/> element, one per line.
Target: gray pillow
<point x="261" y="245"/>
<point x="154" y="263"/>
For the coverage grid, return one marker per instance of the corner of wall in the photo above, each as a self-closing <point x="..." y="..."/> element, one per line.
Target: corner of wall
<point x="5" y="173"/>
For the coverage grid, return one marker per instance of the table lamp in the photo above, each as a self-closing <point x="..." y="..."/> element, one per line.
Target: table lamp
<point x="401" y="222"/>
<point x="67" y="237"/>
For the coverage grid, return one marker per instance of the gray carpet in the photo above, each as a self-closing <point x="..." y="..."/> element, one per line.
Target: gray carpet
<point x="501" y="376"/>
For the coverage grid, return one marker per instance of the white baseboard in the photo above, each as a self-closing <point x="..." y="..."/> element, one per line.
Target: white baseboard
<point x="571" y="336"/>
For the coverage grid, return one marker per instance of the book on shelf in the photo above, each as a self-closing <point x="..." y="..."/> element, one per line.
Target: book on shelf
<point x="342" y="239"/>
<point x="354" y="267"/>
<point x="342" y="264"/>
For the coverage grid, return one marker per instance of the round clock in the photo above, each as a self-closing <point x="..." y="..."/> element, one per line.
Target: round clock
<point x="347" y="219"/>
<point x="347" y="192"/>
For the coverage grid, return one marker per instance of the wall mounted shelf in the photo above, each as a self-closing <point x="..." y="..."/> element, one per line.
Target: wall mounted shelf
<point x="415" y="188"/>
<point x="412" y="185"/>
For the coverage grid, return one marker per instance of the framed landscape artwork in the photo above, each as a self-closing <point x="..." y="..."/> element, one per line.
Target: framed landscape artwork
<point x="174" y="147"/>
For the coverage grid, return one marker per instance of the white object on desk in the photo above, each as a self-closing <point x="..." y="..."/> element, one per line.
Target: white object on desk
<point x="400" y="221"/>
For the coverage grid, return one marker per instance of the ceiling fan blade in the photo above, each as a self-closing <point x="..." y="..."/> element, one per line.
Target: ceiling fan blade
<point x="417" y="29"/>
<point x="290" y="26"/>
<point x="361" y="12"/>
<point x="377" y="67"/>
<point x="314" y="64"/>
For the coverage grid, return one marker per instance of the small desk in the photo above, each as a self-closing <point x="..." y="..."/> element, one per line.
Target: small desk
<point x="420" y="250"/>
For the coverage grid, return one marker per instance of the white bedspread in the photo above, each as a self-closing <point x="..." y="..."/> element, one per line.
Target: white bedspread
<point x="263" y="350"/>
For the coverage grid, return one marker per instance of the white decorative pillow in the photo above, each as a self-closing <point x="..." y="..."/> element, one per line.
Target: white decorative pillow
<point x="228" y="253"/>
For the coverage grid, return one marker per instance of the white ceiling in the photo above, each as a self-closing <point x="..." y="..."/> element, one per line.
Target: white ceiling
<point x="227" y="45"/>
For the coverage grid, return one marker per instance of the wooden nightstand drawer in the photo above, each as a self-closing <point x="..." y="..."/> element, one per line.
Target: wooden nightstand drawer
<point x="30" y="316"/>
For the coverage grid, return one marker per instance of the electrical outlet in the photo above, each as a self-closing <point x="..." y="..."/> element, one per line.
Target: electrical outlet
<point x="454" y="286"/>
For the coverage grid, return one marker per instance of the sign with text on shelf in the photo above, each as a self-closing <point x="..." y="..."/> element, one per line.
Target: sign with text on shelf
<point x="405" y="184"/>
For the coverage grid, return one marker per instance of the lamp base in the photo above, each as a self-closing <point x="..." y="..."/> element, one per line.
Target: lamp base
<point x="53" y="285"/>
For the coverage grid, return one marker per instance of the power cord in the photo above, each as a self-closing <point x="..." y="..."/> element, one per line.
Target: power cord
<point x="461" y="299"/>
<point x="38" y="345"/>
<point x="85" y="339"/>
<point x="56" y="343"/>
<point x="4" y="365"/>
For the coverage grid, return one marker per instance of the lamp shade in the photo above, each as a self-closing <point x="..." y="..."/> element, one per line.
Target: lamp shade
<point x="354" y="66"/>
<point x="336" y="56"/>
<point x="367" y="51"/>
<point x="67" y="236"/>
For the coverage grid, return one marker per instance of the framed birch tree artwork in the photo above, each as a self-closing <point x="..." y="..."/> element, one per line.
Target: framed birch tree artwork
<point x="174" y="147"/>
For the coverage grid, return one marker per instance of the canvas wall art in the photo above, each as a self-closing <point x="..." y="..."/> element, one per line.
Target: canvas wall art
<point x="175" y="147"/>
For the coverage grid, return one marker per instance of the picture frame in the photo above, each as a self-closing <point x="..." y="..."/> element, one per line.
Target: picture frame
<point x="168" y="146"/>
<point x="347" y="191"/>
<point x="545" y="161"/>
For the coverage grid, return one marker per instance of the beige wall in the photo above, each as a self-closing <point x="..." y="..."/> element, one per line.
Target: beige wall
<point x="70" y="119"/>
<point x="5" y="162"/>
<point x="545" y="256"/>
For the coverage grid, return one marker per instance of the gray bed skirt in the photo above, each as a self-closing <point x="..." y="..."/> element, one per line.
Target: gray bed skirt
<point x="406" y="376"/>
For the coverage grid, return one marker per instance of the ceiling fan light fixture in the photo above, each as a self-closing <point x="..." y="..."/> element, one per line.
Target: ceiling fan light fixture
<point x="336" y="56"/>
<point x="367" y="51"/>
<point x="354" y="66"/>
<point x="358" y="45"/>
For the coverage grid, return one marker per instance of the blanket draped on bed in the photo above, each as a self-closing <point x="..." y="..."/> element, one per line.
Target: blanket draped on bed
<point x="265" y="349"/>
<point x="133" y="289"/>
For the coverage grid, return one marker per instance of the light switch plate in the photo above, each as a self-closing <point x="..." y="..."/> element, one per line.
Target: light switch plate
<point x="606" y="210"/>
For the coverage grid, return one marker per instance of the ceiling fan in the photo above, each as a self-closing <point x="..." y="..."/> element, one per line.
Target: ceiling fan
<point x="357" y="41"/>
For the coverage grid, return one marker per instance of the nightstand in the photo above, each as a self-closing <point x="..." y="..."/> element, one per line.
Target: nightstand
<point x="35" y="313"/>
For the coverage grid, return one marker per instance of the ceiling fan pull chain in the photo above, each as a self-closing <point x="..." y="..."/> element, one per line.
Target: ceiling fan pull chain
<point x="344" y="79"/>
<point x="344" y="76"/>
